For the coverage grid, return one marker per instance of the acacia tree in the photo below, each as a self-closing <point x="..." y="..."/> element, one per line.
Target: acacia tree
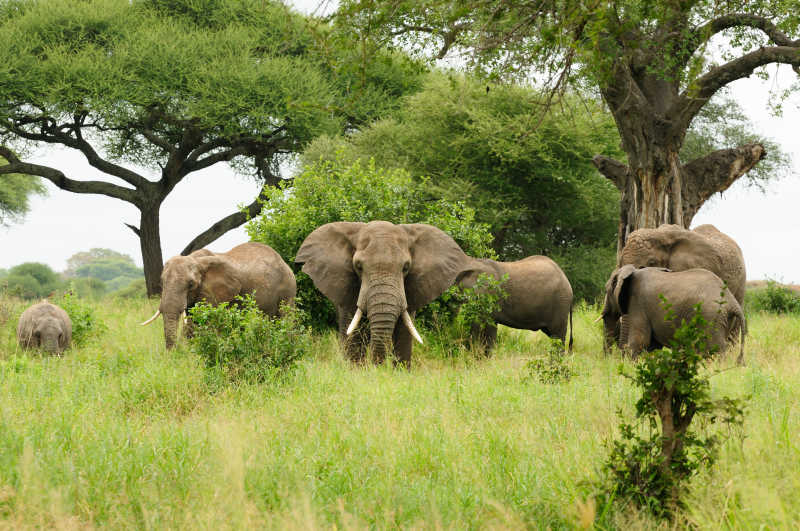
<point x="15" y="192"/>
<point x="655" y="65"/>
<point x="175" y="87"/>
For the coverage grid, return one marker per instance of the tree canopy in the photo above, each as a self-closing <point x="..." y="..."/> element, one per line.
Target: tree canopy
<point x="655" y="65"/>
<point x="15" y="193"/>
<point x="173" y="87"/>
<point x="529" y="178"/>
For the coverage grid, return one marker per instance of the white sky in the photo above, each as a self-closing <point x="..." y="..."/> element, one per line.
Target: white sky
<point x="766" y="226"/>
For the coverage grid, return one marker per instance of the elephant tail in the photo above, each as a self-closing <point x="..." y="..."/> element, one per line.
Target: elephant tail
<point x="570" y="329"/>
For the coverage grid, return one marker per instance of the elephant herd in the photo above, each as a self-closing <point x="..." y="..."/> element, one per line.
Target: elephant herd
<point x="387" y="272"/>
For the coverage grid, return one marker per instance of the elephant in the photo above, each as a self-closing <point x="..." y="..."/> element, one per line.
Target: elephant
<point x="539" y="297"/>
<point x="679" y="249"/>
<point x="44" y="325"/>
<point x="384" y="271"/>
<point x="250" y="268"/>
<point x="632" y="300"/>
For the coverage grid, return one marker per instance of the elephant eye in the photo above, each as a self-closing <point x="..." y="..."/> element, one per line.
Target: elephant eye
<point x="358" y="266"/>
<point x="406" y="267"/>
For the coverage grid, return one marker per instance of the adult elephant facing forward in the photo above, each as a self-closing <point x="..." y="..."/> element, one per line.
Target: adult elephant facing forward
<point x="250" y="268"/>
<point x="384" y="271"/>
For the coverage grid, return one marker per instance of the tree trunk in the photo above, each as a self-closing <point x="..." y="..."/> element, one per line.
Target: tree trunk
<point x="150" y="240"/>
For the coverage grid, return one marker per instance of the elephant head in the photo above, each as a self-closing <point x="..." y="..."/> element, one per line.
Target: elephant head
<point x="615" y="324"/>
<point x="186" y="280"/>
<point x="669" y="246"/>
<point x="381" y="270"/>
<point x="45" y="326"/>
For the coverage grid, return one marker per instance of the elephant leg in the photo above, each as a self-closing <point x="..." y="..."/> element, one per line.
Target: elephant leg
<point x="354" y="345"/>
<point x="486" y="336"/>
<point x="637" y="332"/>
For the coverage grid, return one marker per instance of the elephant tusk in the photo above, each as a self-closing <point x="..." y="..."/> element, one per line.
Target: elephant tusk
<point x="158" y="312"/>
<point x="601" y="316"/>
<point x="410" y="325"/>
<point x="354" y="322"/>
<point x="185" y="317"/>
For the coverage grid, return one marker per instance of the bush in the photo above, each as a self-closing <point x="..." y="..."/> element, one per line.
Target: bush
<point x="656" y="456"/>
<point x="31" y="280"/>
<point x="134" y="290"/>
<point x="85" y="323"/>
<point x="774" y="298"/>
<point x="241" y="344"/>
<point x="335" y="191"/>
<point x="552" y="367"/>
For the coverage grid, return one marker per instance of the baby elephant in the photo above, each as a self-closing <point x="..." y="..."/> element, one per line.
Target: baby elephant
<point x="45" y="326"/>
<point x="633" y="313"/>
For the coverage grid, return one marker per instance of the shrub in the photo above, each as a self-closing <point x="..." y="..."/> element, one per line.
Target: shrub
<point x="135" y="289"/>
<point x="655" y="457"/>
<point x="240" y="343"/>
<point x="31" y="280"/>
<point x="85" y="323"/>
<point x="333" y="190"/>
<point x="774" y="298"/>
<point x="551" y="367"/>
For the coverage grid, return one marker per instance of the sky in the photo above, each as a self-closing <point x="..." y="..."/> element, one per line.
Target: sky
<point x="765" y="225"/>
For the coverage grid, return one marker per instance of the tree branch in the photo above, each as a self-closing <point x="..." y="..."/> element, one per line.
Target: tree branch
<point x="224" y="225"/>
<point x="612" y="169"/>
<point x="716" y="172"/>
<point x="700" y="90"/>
<point x="55" y="176"/>
<point x="51" y="134"/>
<point x="134" y="228"/>
<point x="706" y="31"/>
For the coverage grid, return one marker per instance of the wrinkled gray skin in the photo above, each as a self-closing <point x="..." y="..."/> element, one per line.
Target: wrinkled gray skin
<point x="251" y="267"/>
<point x="382" y="269"/>
<point x="679" y="249"/>
<point x="632" y="300"/>
<point x="44" y="326"/>
<point x="539" y="297"/>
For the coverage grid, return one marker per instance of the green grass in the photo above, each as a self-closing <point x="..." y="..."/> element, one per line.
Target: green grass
<point x="122" y="434"/>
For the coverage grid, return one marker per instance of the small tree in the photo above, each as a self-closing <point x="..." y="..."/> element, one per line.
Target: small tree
<point x="652" y="470"/>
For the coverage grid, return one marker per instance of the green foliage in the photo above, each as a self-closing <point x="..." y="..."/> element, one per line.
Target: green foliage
<point x="239" y="343"/>
<point x="101" y="270"/>
<point x="653" y="460"/>
<point x="89" y="288"/>
<point x="478" y="304"/>
<point x="334" y="190"/>
<point x="774" y="298"/>
<point x="135" y="289"/>
<point x="85" y="322"/>
<point x="529" y="179"/>
<point x="15" y="193"/>
<point x="31" y="280"/>
<point x="553" y="366"/>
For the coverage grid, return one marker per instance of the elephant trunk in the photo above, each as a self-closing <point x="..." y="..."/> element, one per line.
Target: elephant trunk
<point x="385" y="301"/>
<point x="50" y="344"/>
<point x="170" y="328"/>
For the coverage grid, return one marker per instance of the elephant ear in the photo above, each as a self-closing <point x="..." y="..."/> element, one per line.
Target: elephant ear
<point x="220" y="278"/>
<point x="468" y="276"/>
<point x="436" y="261"/>
<point x="622" y="289"/>
<point x="327" y="257"/>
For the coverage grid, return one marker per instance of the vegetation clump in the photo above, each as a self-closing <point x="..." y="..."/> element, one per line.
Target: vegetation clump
<point x="85" y="322"/>
<point x="656" y="456"/>
<point x="774" y="298"/>
<point x="553" y="366"/>
<point x="239" y="343"/>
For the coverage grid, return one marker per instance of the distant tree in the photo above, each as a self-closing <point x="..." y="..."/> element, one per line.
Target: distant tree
<point x="531" y="180"/>
<point x="96" y="254"/>
<point x="655" y="65"/>
<point x="32" y="280"/>
<point x="177" y="86"/>
<point x="15" y="193"/>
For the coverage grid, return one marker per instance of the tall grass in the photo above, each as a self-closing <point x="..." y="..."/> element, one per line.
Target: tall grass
<point x="120" y="433"/>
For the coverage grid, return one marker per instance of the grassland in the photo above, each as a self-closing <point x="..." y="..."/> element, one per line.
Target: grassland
<point x="120" y="433"/>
